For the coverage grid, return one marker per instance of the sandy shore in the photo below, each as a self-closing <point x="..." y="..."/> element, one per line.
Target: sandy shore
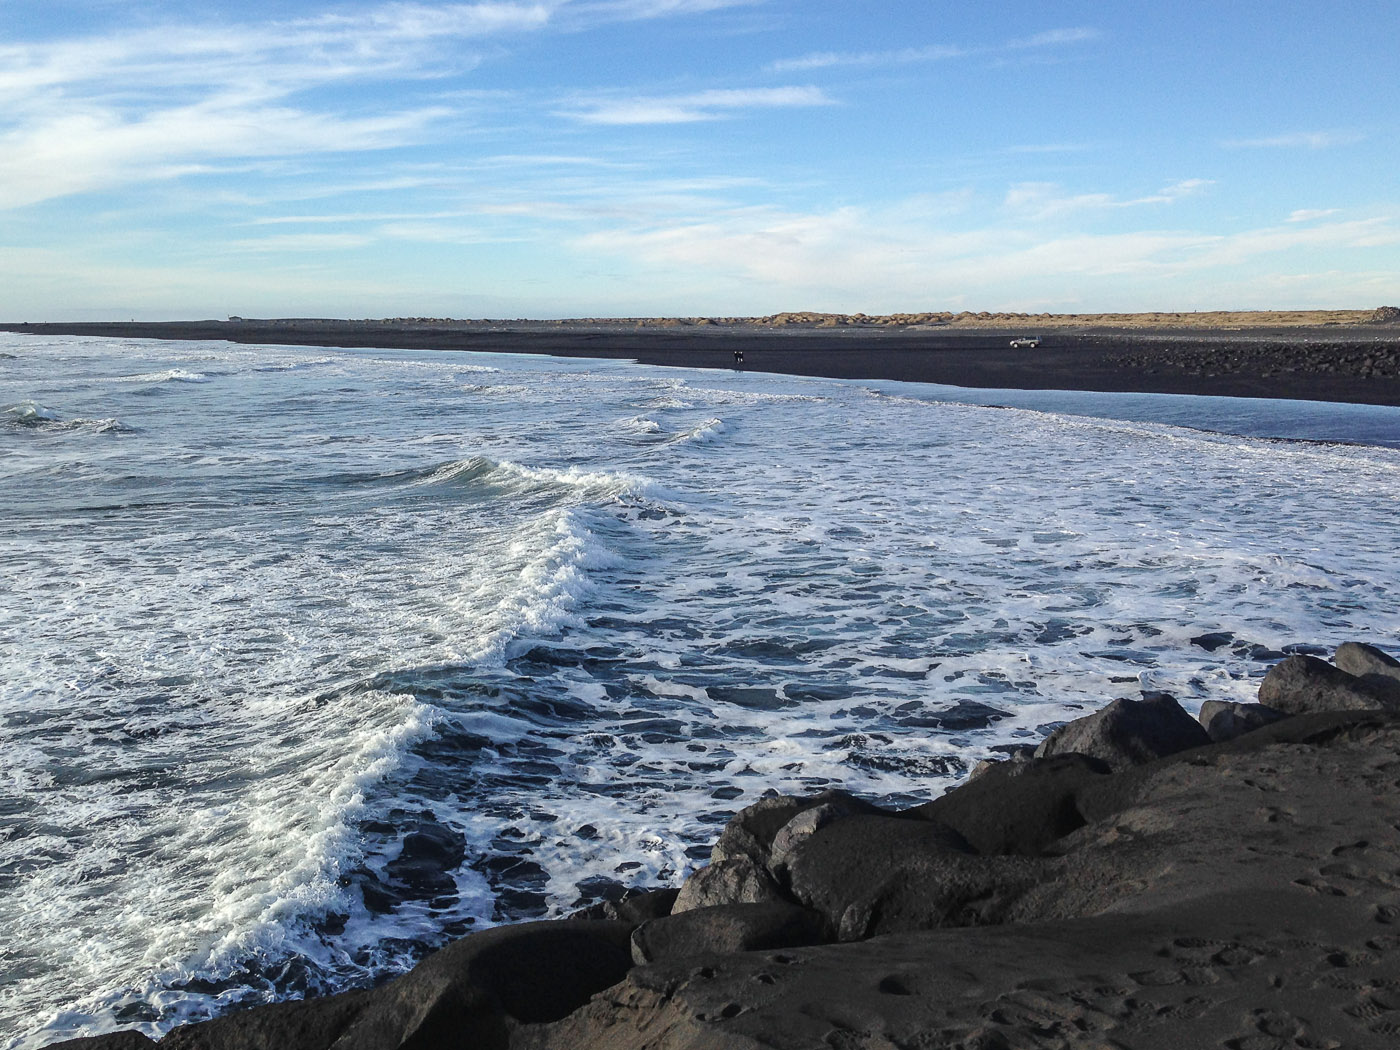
<point x="1344" y="362"/>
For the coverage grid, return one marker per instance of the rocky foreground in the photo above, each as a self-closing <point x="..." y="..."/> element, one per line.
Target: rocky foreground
<point x="1141" y="879"/>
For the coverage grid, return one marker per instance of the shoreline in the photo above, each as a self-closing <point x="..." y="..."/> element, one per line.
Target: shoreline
<point x="1350" y="363"/>
<point x="1140" y="878"/>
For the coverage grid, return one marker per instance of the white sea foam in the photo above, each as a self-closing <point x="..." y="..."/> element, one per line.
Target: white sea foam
<point x="294" y="618"/>
<point x="169" y="375"/>
<point x="640" y="425"/>
<point x="705" y="433"/>
<point x="496" y="389"/>
<point x="36" y="417"/>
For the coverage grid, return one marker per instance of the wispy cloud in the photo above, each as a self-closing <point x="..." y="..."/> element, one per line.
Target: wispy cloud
<point x="304" y="242"/>
<point x="85" y="113"/>
<point x="82" y="114"/>
<point x="95" y="147"/>
<point x="929" y="52"/>
<point x="684" y="109"/>
<point x="266" y="58"/>
<point x="902" y="56"/>
<point x="896" y="259"/>
<point x="639" y="9"/>
<point x="1298" y="140"/>
<point x="1311" y="214"/>
<point x="1048" y="147"/>
<point x="1056" y="38"/>
<point x="1045" y="200"/>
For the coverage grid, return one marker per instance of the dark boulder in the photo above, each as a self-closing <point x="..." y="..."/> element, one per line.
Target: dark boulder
<point x="1224" y="720"/>
<point x="801" y="827"/>
<point x="470" y="993"/>
<point x="127" y="1040"/>
<point x="1016" y="756"/>
<point x="726" y="929"/>
<point x="429" y="855"/>
<point x="1019" y="806"/>
<point x="874" y="875"/>
<point x="632" y="906"/>
<point x="312" y="1024"/>
<point x="1360" y="659"/>
<point x="1128" y="732"/>
<point x="751" y="831"/>
<point x="1213" y="640"/>
<point x="737" y="881"/>
<point x="1305" y="685"/>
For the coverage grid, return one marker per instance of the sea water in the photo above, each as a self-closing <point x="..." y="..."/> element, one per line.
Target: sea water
<point x="314" y="659"/>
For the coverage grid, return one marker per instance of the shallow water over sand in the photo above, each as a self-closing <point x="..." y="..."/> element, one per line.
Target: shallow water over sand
<point x="314" y="659"/>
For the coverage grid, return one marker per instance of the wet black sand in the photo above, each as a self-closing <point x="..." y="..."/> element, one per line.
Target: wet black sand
<point x="1355" y="363"/>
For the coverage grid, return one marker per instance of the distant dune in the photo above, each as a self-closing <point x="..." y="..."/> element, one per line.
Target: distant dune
<point x="1214" y="319"/>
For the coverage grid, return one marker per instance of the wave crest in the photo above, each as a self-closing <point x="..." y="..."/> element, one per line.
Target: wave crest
<point x="30" y="415"/>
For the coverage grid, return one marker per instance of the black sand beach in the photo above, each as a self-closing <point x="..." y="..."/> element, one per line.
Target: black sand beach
<point x="1357" y="363"/>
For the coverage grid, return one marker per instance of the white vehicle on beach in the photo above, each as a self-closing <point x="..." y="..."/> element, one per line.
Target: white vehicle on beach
<point x="1025" y="343"/>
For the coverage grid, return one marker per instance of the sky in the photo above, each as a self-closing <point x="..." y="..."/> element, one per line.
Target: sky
<point x="173" y="159"/>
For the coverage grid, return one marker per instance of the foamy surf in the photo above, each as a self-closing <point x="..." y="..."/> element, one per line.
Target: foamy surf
<point x="333" y="659"/>
<point x="169" y="375"/>
<point x="36" y="417"/>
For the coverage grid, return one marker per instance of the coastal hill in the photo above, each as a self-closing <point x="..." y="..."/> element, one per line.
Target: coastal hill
<point x="986" y="319"/>
<point x="1214" y="319"/>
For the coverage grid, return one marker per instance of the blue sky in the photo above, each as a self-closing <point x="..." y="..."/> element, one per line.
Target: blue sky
<point x="171" y="159"/>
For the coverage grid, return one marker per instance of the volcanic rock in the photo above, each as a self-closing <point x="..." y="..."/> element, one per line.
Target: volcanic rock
<point x="1360" y="659"/>
<point x="633" y="906"/>
<point x="871" y="875"/>
<point x="725" y="929"/>
<point x="1016" y="806"/>
<point x="1224" y="720"/>
<point x="801" y="827"/>
<point x="1302" y="684"/>
<point x="736" y="881"/>
<point x="471" y="992"/>
<point x="1128" y="732"/>
<point x="751" y="831"/>
<point x="127" y="1040"/>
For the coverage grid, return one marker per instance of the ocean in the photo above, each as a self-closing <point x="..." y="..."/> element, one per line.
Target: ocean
<point x="315" y="659"/>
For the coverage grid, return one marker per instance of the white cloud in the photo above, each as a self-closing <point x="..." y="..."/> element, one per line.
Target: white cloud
<point x="928" y="52"/>
<point x="96" y="147"/>
<point x="269" y="59"/>
<point x="1299" y="140"/>
<point x="1048" y="147"/>
<point x="639" y="9"/>
<point x="1039" y="201"/>
<point x="1056" y="38"/>
<point x="82" y="114"/>
<point x="1175" y="191"/>
<point x="304" y="242"/>
<point x="902" y="56"/>
<point x="1311" y="214"/>
<point x="703" y="105"/>
<point x="877" y="259"/>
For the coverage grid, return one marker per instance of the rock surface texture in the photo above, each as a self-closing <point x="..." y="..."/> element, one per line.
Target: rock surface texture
<point x="1160" y="891"/>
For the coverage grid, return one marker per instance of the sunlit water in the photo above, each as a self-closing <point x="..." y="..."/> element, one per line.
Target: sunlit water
<point x="314" y="659"/>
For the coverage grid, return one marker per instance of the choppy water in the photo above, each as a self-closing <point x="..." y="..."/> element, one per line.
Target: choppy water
<point x="313" y="659"/>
